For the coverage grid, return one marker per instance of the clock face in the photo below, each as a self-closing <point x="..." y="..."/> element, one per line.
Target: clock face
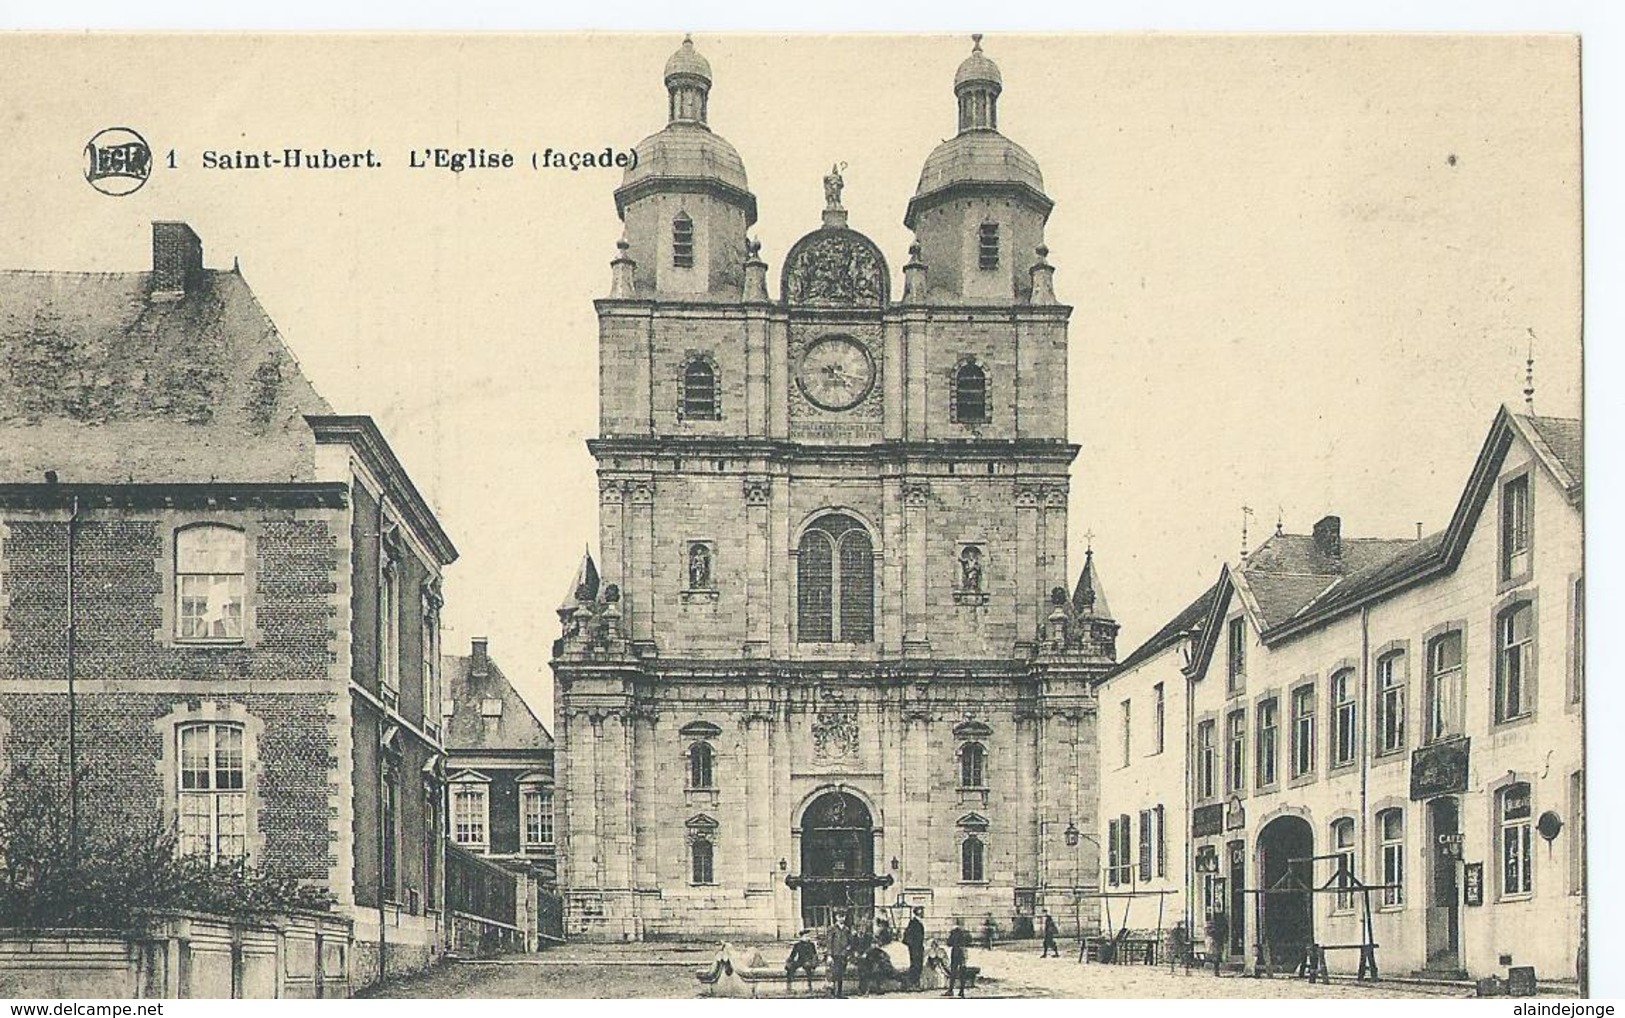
<point x="836" y="373"/>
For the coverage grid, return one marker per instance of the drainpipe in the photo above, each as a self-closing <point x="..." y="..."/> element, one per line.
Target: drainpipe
<point x="1365" y="713"/>
<point x="73" y="707"/>
<point x="1190" y="842"/>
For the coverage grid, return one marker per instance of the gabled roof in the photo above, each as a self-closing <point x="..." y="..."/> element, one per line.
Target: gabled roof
<point x="1190" y="618"/>
<point x="101" y="384"/>
<point x="1556" y="443"/>
<point x="516" y="728"/>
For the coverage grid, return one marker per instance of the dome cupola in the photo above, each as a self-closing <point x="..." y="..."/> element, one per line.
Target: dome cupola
<point x="685" y="199"/>
<point x="980" y="208"/>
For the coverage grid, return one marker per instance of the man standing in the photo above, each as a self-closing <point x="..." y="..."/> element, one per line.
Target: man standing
<point x="839" y="945"/>
<point x="914" y="940"/>
<point x="958" y="941"/>
<point x="1051" y="931"/>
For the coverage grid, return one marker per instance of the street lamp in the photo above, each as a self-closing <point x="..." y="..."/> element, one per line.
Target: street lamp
<point x="1071" y="834"/>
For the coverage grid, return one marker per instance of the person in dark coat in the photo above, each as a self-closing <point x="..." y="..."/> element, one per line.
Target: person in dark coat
<point x="803" y="956"/>
<point x="958" y="942"/>
<point x="914" y="940"/>
<point x="1051" y="931"/>
<point x="839" y="946"/>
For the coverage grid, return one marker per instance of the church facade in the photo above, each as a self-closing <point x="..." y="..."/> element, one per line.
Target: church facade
<point x="829" y="655"/>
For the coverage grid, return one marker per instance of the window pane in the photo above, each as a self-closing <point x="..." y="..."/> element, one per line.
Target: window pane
<point x="195" y="770"/>
<point x="857" y="588"/>
<point x="228" y="757"/>
<point x="195" y="816"/>
<point x="231" y="819"/>
<point x="815" y="577"/>
<point x="209" y="549"/>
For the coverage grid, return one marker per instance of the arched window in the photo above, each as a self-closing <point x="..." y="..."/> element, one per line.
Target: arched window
<point x="972" y="855"/>
<point x="209" y="583"/>
<point x="1343" y="717"/>
<point x="1343" y="848"/>
<point x="1444" y="687"/>
<point x="1391" y="829"/>
<point x="973" y="765"/>
<point x="702" y="861"/>
<point x="212" y="797"/>
<point x="1391" y="702"/>
<point x="701" y="400"/>
<point x="836" y="583"/>
<point x="970" y="393"/>
<point x="701" y="760"/>
<point x="682" y="241"/>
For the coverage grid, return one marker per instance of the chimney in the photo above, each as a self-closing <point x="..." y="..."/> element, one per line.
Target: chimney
<point x="1329" y="536"/>
<point x="177" y="260"/>
<point x="479" y="657"/>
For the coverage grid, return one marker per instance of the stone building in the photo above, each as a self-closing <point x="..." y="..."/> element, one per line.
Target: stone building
<point x="499" y="773"/>
<point x="240" y="587"/>
<point x="1407" y="714"/>
<point x="832" y="658"/>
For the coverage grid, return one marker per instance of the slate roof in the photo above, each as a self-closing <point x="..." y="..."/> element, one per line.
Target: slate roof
<point x="1192" y="616"/>
<point x="1289" y="571"/>
<point x="516" y="728"/>
<point x="103" y="385"/>
<point x="1564" y="436"/>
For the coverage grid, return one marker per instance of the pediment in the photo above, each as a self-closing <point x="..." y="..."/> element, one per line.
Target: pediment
<point x="700" y="730"/>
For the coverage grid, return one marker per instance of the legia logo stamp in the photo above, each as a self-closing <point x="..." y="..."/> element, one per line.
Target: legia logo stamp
<point x="117" y="161"/>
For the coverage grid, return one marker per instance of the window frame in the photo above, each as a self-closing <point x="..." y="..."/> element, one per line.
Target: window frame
<point x="1515" y="547"/>
<point x="989" y="245"/>
<point x="1436" y="730"/>
<point x="682" y="240"/>
<point x="1514" y="837"/>
<point x="1235" y="661"/>
<point x="700" y="777"/>
<point x="1268" y="745"/>
<point x="1528" y="654"/>
<point x="699" y="406"/>
<point x="702" y="845"/>
<point x="543" y="794"/>
<point x="972" y="764"/>
<point x="1127" y="715"/>
<point x="1206" y="764"/>
<point x="968" y="374"/>
<point x="1235" y="751"/>
<point x="468" y="785"/>
<point x="213" y="794"/>
<point x="819" y="530"/>
<point x="1391" y="683"/>
<point x="1301" y="732"/>
<point x="1391" y="858"/>
<point x="972" y="850"/>
<point x="1343" y="715"/>
<point x="177" y="576"/>
<point x="1159" y="719"/>
<point x="1343" y="899"/>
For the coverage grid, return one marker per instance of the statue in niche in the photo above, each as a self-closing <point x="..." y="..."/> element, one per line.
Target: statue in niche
<point x="970" y="570"/>
<point x="699" y="566"/>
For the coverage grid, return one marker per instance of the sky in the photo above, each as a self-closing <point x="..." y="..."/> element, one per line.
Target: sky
<point x="1305" y="270"/>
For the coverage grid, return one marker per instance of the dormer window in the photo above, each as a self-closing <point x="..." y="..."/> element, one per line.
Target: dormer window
<point x="682" y="241"/>
<point x="987" y="246"/>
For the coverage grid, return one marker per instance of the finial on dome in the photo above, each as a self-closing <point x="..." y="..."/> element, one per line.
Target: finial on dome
<point x="976" y="42"/>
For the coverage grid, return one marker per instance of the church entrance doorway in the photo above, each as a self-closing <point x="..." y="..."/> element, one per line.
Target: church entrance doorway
<point x="837" y="859"/>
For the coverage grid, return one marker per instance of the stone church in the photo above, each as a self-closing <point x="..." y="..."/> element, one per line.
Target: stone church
<point x="829" y="655"/>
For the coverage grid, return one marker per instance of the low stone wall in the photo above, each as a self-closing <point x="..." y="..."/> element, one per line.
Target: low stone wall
<point x="182" y="955"/>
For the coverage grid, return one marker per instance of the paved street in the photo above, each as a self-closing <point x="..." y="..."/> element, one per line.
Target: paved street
<point x="667" y="970"/>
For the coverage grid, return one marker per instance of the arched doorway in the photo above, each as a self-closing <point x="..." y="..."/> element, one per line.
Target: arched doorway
<point x="1288" y="922"/>
<point x="837" y="858"/>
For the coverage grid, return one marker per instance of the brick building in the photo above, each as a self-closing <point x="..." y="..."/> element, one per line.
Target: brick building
<point x="1411" y="711"/>
<point x="499" y="768"/>
<point x="832" y="658"/>
<point x="241" y="587"/>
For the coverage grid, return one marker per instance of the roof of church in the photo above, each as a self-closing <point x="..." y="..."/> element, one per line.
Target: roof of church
<point x="103" y="385"/>
<point x="687" y="150"/>
<point x="977" y="68"/>
<point x="687" y="61"/>
<point x="979" y="156"/>
<point x="514" y="727"/>
<point x="1088" y="595"/>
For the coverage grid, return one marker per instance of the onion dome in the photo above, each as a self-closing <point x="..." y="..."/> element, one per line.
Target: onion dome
<point x="686" y="150"/>
<point x="978" y="157"/>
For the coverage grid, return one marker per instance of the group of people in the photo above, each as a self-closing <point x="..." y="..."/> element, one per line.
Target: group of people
<point x="863" y="951"/>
